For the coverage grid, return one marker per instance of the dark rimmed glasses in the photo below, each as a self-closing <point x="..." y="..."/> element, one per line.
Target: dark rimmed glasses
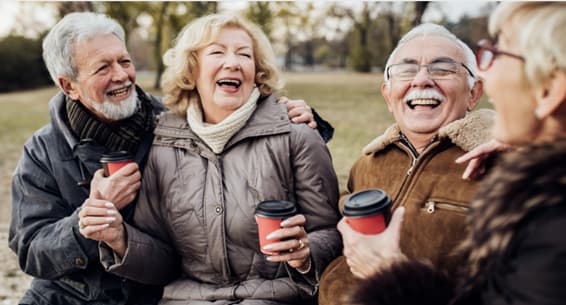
<point x="435" y="70"/>
<point x="487" y="52"/>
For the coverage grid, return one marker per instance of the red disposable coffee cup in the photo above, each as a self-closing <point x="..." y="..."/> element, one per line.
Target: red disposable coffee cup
<point x="268" y="215"/>
<point x="114" y="161"/>
<point x="368" y="211"/>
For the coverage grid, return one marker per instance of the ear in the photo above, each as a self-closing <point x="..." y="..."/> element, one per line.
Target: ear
<point x="475" y="95"/>
<point x="69" y="87"/>
<point x="550" y="95"/>
<point x="385" y="91"/>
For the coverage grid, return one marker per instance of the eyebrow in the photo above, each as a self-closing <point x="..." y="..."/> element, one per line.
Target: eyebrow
<point x="435" y="60"/>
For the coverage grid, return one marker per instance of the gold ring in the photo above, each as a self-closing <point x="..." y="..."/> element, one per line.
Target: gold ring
<point x="301" y="244"/>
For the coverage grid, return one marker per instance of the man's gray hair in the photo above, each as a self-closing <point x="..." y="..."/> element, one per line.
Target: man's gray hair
<point x="75" y="27"/>
<point x="435" y="29"/>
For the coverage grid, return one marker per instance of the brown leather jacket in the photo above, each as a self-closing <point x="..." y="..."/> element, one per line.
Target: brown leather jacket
<point x="430" y="188"/>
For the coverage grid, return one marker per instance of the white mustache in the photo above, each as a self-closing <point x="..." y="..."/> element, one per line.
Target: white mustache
<point x="424" y="94"/>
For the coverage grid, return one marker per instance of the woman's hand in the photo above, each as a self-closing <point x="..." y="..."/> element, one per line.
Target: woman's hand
<point x="294" y="245"/>
<point x="299" y="111"/>
<point x="100" y="220"/>
<point x="476" y="158"/>
<point x="366" y="254"/>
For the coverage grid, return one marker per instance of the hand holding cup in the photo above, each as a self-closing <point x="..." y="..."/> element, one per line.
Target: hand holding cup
<point x="282" y="234"/>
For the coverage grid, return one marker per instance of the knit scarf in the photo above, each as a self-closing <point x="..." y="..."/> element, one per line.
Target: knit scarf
<point x="217" y="135"/>
<point x="125" y="134"/>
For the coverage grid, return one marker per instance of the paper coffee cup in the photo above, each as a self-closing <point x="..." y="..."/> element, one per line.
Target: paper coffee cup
<point x="268" y="215"/>
<point x="368" y="211"/>
<point x="114" y="161"/>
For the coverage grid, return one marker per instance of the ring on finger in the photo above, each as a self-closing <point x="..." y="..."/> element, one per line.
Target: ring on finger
<point x="301" y="244"/>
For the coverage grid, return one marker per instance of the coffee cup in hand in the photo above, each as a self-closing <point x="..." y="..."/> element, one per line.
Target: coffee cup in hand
<point x="114" y="161"/>
<point x="268" y="215"/>
<point x="368" y="211"/>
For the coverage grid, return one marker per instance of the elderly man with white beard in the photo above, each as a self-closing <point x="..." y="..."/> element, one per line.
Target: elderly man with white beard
<point x="430" y="87"/>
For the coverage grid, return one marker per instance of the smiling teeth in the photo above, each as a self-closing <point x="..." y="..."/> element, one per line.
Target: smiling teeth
<point x="229" y="82"/>
<point x="423" y="102"/>
<point x="119" y="92"/>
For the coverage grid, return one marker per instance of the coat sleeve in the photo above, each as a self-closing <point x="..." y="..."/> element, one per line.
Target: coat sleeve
<point x="44" y="229"/>
<point x="316" y="191"/>
<point x="150" y="257"/>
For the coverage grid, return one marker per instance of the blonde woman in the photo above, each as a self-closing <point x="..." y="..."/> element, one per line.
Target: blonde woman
<point x="225" y="146"/>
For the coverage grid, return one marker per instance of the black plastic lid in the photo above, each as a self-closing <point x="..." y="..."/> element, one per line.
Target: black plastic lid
<point x="366" y="202"/>
<point x="116" y="156"/>
<point x="276" y="209"/>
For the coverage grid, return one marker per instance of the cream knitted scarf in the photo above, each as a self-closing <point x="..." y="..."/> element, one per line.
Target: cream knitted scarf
<point x="217" y="135"/>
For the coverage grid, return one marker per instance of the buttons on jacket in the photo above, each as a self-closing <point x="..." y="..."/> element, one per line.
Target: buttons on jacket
<point x="79" y="261"/>
<point x="218" y="209"/>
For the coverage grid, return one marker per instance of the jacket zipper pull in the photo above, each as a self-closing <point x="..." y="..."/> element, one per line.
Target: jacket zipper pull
<point x="410" y="170"/>
<point x="430" y="208"/>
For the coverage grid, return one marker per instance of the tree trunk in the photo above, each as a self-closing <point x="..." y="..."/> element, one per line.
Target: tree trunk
<point x="158" y="42"/>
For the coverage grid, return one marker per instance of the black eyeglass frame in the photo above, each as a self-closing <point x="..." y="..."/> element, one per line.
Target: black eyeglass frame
<point x="427" y="67"/>
<point x="485" y="45"/>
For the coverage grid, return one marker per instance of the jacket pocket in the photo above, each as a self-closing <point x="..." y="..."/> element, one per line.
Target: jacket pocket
<point x="433" y="206"/>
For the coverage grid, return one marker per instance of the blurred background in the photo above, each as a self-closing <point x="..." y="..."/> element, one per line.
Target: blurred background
<point x="332" y="55"/>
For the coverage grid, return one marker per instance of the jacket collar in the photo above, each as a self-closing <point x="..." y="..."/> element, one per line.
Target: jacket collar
<point x="269" y="118"/>
<point x="466" y="133"/>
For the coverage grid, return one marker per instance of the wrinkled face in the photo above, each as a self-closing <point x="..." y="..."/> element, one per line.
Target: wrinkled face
<point x="106" y="78"/>
<point x="226" y="74"/>
<point x="423" y="105"/>
<point x="512" y="96"/>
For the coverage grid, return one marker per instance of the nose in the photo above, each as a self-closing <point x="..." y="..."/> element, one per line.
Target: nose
<point x="422" y="79"/>
<point x="119" y="73"/>
<point x="232" y="62"/>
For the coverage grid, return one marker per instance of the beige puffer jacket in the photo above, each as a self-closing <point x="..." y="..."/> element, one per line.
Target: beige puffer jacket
<point x="203" y="204"/>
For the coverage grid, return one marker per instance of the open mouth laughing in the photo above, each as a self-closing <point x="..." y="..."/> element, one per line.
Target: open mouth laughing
<point x="424" y="98"/>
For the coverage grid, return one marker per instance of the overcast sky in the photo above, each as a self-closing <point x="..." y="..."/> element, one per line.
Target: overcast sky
<point x="452" y="9"/>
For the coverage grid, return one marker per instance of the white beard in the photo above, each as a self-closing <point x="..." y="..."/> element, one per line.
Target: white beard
<point x="115" y="112"/>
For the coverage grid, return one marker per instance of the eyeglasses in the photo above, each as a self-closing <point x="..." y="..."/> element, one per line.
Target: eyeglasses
<point x="487" y="52"/>
<point x="435" y="70"/>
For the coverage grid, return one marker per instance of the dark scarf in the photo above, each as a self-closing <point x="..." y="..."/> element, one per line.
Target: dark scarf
<point x="125" y="134"/>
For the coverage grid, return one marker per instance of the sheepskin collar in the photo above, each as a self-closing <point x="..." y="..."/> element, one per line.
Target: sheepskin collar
<point x="466" y="133"/>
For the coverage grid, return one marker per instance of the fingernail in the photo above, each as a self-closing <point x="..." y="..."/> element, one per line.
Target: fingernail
<point x="111" y="212"/>
<point x="271" y="236"/>
<point x="110" y="219"/>
<point x="269" y="258"/>
<point x="268" y="247"/>
<point x="284" y="223"/>
<point x="109" y="205"/>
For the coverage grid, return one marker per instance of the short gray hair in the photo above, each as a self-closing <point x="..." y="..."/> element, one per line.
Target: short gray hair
<point x="435" y="29"/>
<point x="75" y="27"/>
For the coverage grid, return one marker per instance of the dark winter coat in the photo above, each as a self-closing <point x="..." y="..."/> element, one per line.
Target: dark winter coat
<point x="49" y="184"/>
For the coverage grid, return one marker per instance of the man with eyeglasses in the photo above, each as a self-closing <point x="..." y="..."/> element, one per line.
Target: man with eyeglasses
<point x="430" y="86"/>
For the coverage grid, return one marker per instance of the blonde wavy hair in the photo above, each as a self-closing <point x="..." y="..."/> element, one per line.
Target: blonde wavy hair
<point x="541" y="36"/>
<point x="181" y="61"/>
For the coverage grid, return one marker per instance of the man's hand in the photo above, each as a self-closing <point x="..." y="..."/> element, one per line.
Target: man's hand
<point x="366" y="254"/>
<point x="299" y="111"/>
<point x="120" y="188"/>
<point x="476" y="158"/>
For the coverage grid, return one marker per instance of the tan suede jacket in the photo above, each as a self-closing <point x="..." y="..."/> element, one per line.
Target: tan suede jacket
<point x="429" y="186"/>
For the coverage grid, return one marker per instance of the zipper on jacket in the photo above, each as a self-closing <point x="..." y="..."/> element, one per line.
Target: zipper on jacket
<point x="432" y="206"/>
